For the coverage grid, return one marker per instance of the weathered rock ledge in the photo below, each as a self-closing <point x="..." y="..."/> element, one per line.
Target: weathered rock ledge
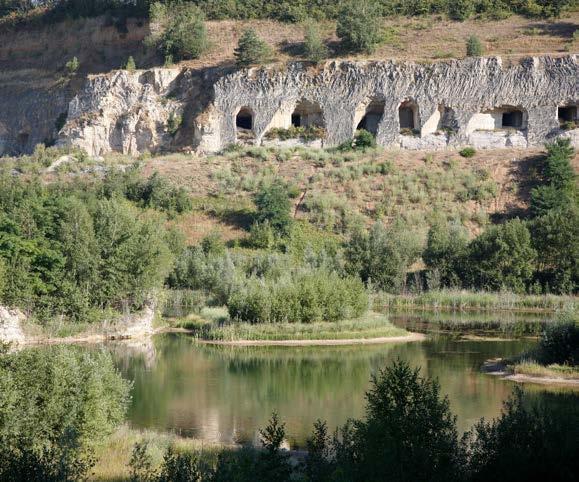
<point x="475" y="101"/>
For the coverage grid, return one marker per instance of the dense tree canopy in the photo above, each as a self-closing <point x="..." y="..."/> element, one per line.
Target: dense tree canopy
<point x="55" y="404"/>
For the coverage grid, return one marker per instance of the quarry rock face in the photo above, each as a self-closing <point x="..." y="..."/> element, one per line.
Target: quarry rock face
<point x="476" y="101"/>
<point x="10" y="330"/>
<point x="408" y="105"/>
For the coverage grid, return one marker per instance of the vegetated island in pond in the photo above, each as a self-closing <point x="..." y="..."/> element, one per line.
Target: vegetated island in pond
<point x="555" y="360"/>
<point x="213" y="326"/>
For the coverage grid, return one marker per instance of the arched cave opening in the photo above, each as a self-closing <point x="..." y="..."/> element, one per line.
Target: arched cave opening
<point x="307" y="114"/>
<point x="372" y="116"/>
<point x="408" y="115"/>
<point x="244" y="119"/>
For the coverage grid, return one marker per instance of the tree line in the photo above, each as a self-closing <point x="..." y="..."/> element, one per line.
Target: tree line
<point x="295" y="10"/>
<point x="88" y="248"/>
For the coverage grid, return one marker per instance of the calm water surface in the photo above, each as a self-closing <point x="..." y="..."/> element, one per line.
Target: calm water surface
<point x="225" y="394"/>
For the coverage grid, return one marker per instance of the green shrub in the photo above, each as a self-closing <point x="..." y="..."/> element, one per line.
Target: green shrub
<point x="408" y="432"/>
<point x="180" y="30"/>
<point x="382" y="257"/>
<point x="506" y="448"/>
<point x="301" y="297"/>
<point x="474" y="47"/>
<point x="559" y="343"/>
<point x="460" y="9"/>
<point x="72" y="66"/>
<point x="364" y="140"/>
<point x="467" y="152"/>
<point x="502" y="257"/>
<point x="174" y="123"/>
<point x="314" y="48"/>
<point x="273" y="206"/>
<point x="262" y="236"/>
<point x="556" y="237"/>
<point x="445" y="252"/>
<point x="359" y="26"/>
<point x="130" y="65"/>
<point x="251" y="50"/>
<point x="558" y="190"/>
<point x="57" y="404"/>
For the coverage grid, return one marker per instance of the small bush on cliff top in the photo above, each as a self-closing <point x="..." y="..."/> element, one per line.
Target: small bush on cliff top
<point x="314" y="48"/>
<point x="474" y="47"/>
<point x="359" y="26"/>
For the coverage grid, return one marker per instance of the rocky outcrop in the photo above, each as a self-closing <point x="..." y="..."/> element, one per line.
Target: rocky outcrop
<point x="455" y="99"/>
<point x="475" y="101"/>
<point x="125" y="112"/>
<point x="10" y="326"/>
<point x="31" y="111"/>
<point x="134" y="324"/>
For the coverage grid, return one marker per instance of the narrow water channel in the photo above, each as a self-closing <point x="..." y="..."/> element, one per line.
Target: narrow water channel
<point x="225" y="394"/>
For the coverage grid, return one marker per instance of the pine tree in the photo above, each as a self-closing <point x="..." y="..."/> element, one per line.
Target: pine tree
<point x="474" y="47"/>
<point x="130" y="65"/>
<point x="251" y="49"/>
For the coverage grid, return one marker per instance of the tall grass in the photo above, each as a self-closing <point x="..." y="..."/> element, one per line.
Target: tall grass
<point x="372" y="325"/>
<point x="533" y="369"/>
<point x="457" y="300"/>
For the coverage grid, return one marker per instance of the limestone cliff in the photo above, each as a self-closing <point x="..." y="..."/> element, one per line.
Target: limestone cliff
<point x="476" y="101"/>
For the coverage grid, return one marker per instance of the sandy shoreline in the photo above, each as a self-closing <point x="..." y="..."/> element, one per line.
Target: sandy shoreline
<point x="337" y="342"/>
<point x="497" y="367"/>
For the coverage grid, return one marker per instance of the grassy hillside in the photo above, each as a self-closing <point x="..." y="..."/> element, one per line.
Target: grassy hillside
<point x="102" y="44"/>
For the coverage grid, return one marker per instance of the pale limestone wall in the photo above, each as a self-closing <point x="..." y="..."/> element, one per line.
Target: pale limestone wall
<point x="472" y="88"/>
<point x="10" y="326"/>
<point x="128" y="112"/>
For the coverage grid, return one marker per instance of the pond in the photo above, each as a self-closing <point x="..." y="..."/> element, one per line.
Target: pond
<point x="224" y="394"/>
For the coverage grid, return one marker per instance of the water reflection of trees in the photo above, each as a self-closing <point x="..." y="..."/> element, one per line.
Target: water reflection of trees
<point x="226" y="393"/>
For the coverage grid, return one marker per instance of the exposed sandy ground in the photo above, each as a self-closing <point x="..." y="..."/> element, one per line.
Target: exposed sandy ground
<point x="350" y="341"/>
<point x="497" y="367"/>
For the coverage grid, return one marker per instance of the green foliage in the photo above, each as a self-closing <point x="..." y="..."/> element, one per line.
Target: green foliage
<point x="445" y="253"/>
<point x="474" y="47"/>
<point x="282" y="10"/>
<point x="382" y="257"/>
<point x="262" y="236"/>
<point x="57" y="403"/>
<point x="306" y="133"/>
<point x="506" y="448"/>
<point x="180" y="32"/>
<point x="359" y="26"/>
<point x="70" y="250"/>
<point x="555" y="237"/>
<point x="251" y="50"/>
<point x="364" y="140"/>
<point x="558" y="190"/>
<point x="460" y="9"/>
<point x="467" y="152"/>
<point x="502" y="257"/>
<point x="306" y="296"/>
<point x="408" y="432"/>
<point x="130" y="65"/>
<point x="273" y="206"/>
<point x="155" y="192"/>
<point x="72" y="66"/>
<point x="314" y="48"/>
<point x="274" y="464"/>
<point x="174" y="123"/>
<point x="559" y="343"/>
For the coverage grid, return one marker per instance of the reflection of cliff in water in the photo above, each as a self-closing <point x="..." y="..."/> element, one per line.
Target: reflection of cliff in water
<point x="134" y="351"/>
